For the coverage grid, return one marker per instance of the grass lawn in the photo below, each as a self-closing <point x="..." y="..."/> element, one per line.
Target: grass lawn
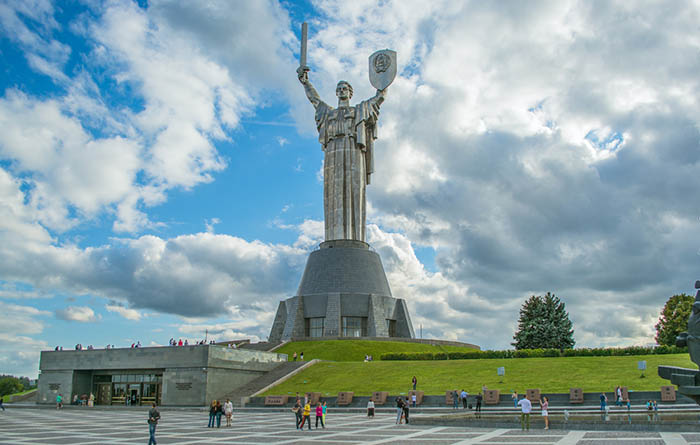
<point x="355" y="350"/>
<point x="6" y="398"/>
<point x="550" y="375"/>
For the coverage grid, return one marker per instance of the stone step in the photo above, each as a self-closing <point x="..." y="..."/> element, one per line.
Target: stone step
<point x="261" y="382"/>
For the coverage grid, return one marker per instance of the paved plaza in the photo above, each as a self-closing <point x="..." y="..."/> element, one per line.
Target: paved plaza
<point x="115" y="426"/>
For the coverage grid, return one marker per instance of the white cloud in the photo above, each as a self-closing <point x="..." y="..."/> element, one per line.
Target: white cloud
<point x="129" y="314"/>
<point x="82" y="314"/>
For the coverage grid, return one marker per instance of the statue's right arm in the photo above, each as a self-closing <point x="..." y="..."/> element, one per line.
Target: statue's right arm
<point x="312" y="94"/>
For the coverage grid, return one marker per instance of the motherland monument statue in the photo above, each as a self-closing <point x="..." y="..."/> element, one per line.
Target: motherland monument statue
<point x="344" y="291"/>
<point x="347" y="135"/>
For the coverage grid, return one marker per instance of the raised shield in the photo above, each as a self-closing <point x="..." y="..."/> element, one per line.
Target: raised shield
<point x="382" y="68"/>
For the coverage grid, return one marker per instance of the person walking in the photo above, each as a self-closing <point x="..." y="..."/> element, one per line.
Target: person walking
<point x="301" y="356"/>
<point x="413" y="399"/>
<point x="415" y="382"/>
<point x="297" y="412"/>
<point x="370" y="408"/>
<point x="59" y="401"/>
<point x="325" y="407"/>
<point x="479" y="398"/>
<point x="618" y="396"/>
<point x="544" y="403"/>
<point x="1" y="405"/>
<point x="464" y="396"/>
<point x="228" y="411"/>
<point x="603" y="401"/>
<point x="294" y="357"/>
<point x="212" y="414"/>
<point x="306" y="416"/>
<point x="455" y="399"/>
<point x="405" y="410"/>
<point x="399" y="409"/>
<point x="514" y="396"/>
<point x="219" y="412"/>
<point x="526" y="407"/>
<point x="153" y="417"/>
<point x="319" y="415"/>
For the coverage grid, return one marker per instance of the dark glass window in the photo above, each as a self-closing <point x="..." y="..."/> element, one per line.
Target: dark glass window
<point x="354" y="326"/>
<point x="391" y="327"/>
<point x="314" y="327"/>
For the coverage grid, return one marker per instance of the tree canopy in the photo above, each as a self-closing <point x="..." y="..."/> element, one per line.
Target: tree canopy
<point x="674" y="319"/>
<point x="544" y="323"/>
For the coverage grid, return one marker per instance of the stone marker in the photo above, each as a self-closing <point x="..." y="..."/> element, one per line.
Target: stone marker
<point x="575" y="395"/>
<point x="492" y="397"/>
<point x="668" y="393"/>
<point x="419" y="396"/>
<point x="344" y="398"/>
<point x="533" y="395"/>
<point x="313" y="397"/>
<point x="276" y="400"/>
<point x="379" y="397"/>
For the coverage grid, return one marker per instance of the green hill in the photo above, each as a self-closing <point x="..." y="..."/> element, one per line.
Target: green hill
<point x="553" y="375"/>
<point x="355" y="350"/>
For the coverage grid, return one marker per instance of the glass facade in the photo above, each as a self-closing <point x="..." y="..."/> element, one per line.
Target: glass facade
<point x="354" y="326"/>
<point x="128" y="388"/>
<point x="314" y="327"/>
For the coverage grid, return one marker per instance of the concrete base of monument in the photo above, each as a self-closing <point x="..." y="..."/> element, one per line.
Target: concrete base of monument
<point x="687" y="380"/>
<point x="344" y="292"/>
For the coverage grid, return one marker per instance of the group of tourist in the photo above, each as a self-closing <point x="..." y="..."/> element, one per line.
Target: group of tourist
<point x="136" y="345"/>
<point x="301" y="356"/>
<point x="216" y="410"/>
<point x="303" y="414"/>
<point x="526" y="409"/>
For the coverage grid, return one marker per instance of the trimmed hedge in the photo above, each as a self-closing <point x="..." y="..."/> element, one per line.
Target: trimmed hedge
<point x="534" y="353"/>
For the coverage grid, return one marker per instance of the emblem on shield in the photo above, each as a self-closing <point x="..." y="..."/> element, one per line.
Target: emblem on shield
<point x="382" y="68"/>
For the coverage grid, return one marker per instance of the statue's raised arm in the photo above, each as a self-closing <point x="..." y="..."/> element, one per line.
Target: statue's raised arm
<point x="311" y="93"/>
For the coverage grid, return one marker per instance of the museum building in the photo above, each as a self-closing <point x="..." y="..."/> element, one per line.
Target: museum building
<point x="173" y="375"/>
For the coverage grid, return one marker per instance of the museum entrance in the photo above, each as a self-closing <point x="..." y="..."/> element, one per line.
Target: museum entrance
<point x="127" y="387"/>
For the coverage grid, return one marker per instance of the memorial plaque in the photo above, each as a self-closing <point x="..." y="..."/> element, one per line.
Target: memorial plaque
<point x="313" y="397"/>
<point x="183" y="386"/>
<point x="345" y="398"/>
<point x="419" y="396"/>
<point x="533" y="395"/>
<point x="379" y="397"/>
<point x="276" y="400"/>
<point x="625" y="394"/>
<point x="575" y="395"/>
<point x="668" y="393"/>
<point x="449" y="400"/>
<point x="492" y="397"/>
<point x="54" y="386"/>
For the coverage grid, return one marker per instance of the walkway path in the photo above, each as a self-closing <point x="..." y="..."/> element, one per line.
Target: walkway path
<point x="184" y="427"/>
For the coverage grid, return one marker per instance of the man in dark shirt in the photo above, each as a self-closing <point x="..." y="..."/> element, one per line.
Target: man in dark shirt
<point x="153" y="417"/>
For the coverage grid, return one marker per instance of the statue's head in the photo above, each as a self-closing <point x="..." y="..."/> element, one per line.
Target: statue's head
<point x="343" y="90"/>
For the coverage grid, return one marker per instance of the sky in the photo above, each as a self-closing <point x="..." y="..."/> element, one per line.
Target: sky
<point x="160" y="173"/>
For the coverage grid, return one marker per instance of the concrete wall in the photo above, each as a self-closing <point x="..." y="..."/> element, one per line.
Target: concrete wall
<point x="184" y="386"/>
<point x="52" y="383"/>
<point x="192" y="375"/>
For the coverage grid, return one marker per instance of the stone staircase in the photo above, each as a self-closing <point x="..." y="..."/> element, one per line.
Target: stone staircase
<point x="263" y="381"/>
<point x="261" y="346"/>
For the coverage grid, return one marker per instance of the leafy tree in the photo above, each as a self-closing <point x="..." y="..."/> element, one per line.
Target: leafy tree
<point x="544" y="323"/>
<point x="674" y="319"/>
<point x="10" y="385"/>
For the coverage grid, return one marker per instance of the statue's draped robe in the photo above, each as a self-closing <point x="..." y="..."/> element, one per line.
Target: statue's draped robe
<point x="347" y="136"/>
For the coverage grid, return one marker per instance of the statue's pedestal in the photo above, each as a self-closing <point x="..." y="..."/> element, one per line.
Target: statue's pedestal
<point x="343" y="293"/>
<point x="687" y="380"/>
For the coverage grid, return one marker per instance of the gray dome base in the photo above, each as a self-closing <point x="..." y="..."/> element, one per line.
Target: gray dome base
<point x="343" y="282"/>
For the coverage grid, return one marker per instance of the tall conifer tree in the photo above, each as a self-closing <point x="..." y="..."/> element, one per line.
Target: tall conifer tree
<point x="544" y="323"/>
